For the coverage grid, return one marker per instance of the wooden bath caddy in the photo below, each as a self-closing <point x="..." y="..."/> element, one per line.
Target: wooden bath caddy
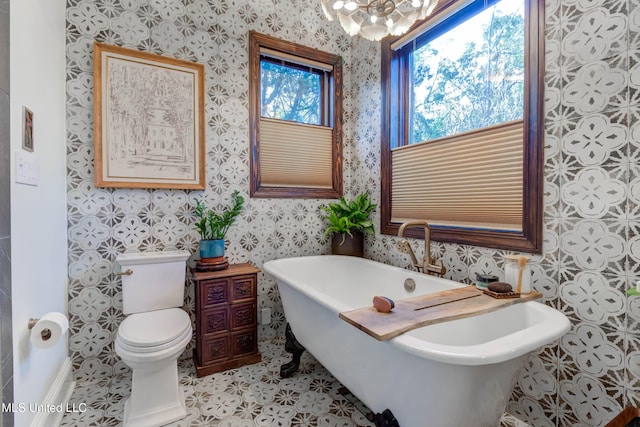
<point x="423" y="310"/>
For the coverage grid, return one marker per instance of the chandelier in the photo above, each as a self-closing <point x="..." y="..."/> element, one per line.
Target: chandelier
<point x="375" y="19"/>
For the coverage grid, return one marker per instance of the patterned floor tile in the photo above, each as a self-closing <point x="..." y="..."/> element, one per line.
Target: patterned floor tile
<point x="253" y="395"/>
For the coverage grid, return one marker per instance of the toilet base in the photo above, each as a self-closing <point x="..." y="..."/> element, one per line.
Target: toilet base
<point x="159" y="417"/>
<point x="156" y="396"/>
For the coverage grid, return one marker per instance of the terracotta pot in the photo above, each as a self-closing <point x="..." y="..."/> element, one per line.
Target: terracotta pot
<point x="352" y="245"/>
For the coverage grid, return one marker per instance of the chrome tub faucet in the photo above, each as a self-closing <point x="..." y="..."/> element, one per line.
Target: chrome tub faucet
<point x="426" y="265"/>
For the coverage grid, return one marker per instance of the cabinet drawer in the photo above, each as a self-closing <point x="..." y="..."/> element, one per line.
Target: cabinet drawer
<point x="213" y="292"/>
<point x="243" y="288"/>
<point x="243" y="316"/>
<point x="245" y="342"/>
<point x="214" y="349"/>
<point x="214" y="320"/>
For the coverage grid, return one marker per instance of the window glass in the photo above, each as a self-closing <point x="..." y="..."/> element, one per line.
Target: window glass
<point x="290" y="93"/>
<point x="470" y="75"/>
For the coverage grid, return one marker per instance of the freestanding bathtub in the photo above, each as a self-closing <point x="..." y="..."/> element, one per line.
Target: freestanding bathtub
<point x="458" y="373"/>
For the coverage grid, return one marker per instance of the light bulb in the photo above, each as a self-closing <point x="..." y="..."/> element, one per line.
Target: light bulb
<point x="351" y="5"/>
<point x="385" y="17"/>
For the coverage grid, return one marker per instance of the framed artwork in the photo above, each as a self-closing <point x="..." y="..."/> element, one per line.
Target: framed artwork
<point x="27" y="129"/>
<point x="148" y="120"/>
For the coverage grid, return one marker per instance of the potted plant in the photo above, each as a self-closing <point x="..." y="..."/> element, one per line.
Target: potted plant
<point x="213" y="226"/>
<point x="347" y="223"/>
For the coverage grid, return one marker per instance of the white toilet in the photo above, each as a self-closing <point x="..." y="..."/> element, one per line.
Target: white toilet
<point x="154" y="334"/>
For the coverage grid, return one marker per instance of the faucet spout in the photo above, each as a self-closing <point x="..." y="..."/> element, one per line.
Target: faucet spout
<point x="426" y="266"/>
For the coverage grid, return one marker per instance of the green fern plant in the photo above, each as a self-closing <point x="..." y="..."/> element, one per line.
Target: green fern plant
<point x="347" y="217"/>
<point x="213" y="225"/>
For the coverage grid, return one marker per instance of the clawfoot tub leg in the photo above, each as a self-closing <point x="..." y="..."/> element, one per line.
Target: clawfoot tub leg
<point x="296" y="349"/>
<point x="385" y="419"/>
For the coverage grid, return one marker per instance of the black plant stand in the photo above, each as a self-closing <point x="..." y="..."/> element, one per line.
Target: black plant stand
<point x="296" y="349"/>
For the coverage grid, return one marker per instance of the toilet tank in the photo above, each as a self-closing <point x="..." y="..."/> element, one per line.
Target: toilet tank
<point x="156" y="282"/>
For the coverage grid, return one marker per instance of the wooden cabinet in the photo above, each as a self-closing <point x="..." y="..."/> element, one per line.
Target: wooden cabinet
<point x="226" y="318"/>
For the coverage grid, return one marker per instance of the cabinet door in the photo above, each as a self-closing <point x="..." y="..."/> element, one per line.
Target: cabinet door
<point x="214" y="320"/>
<point x="243" y="316"/>
<point x="243" y="288"/>
<point x="244" y="342"/>
<point x="214" y="349"/>
<point x="213" y="292"/>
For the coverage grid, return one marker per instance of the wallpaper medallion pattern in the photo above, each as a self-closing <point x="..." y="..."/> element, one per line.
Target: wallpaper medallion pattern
<point x="591" y="193"/>
<point x="103" y="223"/>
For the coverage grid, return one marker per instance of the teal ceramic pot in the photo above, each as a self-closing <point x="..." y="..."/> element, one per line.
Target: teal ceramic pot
<point x="211" y="248"/>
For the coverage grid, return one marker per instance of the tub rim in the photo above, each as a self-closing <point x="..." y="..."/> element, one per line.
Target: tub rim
<point x="501" y="349"/>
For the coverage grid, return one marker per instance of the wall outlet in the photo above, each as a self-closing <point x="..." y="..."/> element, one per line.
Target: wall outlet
<point x="265" y="316"/>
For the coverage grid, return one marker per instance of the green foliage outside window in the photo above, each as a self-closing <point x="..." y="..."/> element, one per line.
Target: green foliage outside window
<point x="290" y="93"/>
<point x="462" y="87"/>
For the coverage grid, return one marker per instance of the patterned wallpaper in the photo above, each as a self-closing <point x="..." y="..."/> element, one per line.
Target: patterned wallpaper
<point x="106" y="222"/>
<point x="591" y="221"/>
<point x="592" y="184"/>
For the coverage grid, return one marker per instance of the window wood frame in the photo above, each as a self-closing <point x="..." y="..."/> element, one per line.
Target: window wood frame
<point x="257" y="41"/>
<point x="395" y="127"/>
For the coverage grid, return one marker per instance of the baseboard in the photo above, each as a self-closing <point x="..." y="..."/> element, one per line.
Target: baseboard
<point x="58" y="397"/>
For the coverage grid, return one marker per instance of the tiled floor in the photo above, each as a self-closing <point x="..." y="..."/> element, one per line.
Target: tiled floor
<point x="253" y="395"/>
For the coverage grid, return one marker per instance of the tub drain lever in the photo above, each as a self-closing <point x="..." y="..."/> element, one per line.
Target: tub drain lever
<point x="409" y="284"/>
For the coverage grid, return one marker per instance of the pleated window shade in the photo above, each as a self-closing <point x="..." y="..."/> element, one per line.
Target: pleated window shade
<point x="294" y="59"/>
<point x="295" y="154"/>
<point x="473" y="179"/>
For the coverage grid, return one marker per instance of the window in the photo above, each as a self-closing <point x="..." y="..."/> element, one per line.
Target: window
<point x="291" y="92"/>
<point x="462" y="125"/>
<point x="295" y="108"/>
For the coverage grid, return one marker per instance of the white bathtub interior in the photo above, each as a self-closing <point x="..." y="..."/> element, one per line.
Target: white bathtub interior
<point x="480" y="329"/>
<point x="362" y="282"/>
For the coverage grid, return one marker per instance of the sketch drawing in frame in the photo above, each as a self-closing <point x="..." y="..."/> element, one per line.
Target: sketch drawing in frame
<point x="148" y="120"/>
<point x="27" y="129"/>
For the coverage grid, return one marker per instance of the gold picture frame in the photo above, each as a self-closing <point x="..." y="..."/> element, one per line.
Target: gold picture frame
<point x="27" y="129"/>
<point x="148" y="120"/>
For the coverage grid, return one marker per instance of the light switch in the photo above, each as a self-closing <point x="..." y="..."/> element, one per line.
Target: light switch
<point x="27" y="171"/>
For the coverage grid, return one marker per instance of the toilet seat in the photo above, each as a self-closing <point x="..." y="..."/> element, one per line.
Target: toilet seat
<point x="154" y="330"/>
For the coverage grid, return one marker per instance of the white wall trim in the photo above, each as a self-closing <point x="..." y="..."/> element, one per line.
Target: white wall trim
<point x="57" y="399"/>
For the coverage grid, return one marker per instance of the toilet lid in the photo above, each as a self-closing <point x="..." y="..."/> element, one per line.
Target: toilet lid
<point x="154" y="328"/>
